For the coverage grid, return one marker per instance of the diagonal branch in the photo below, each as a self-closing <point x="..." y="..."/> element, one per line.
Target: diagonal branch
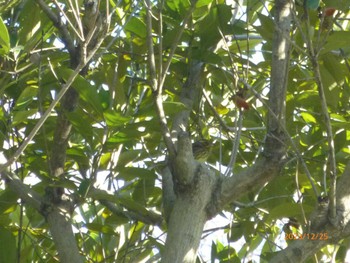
<point x="110" y="201"/>
<point x="23" y="191"/>
<point x="150" y="219"/>
<point x="44" y="117"/>
<point x="301" y="250"/>
<point x="56" y="20"/>
<point x="79" y="34"/>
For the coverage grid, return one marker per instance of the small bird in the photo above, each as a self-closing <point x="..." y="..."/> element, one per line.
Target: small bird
<point x="201" y="150"/>
<point x="326" y="17"/>
<point x="239" y="99"/>
<point x="240" y="102"/>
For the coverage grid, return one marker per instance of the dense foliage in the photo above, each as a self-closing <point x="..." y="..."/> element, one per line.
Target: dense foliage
<point x="116" y="151"/>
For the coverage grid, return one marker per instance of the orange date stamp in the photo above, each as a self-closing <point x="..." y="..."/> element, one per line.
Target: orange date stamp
<point x="309" y="236"/>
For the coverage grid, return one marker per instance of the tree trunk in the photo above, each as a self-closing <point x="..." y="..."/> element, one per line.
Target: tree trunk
<point x="188" y="217"/>
<point x="62" y="234"/>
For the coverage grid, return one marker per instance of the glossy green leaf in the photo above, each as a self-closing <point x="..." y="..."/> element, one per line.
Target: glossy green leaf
<point x="336" y="40"/>
<point x="130" y="173"/>
<point x="21" y="117"/>
<point x="173" y="107"/>
<point x="308" y="118"/>
<point x="137" y="27"/>
<point x="86" y="91"/>
<point x="266" y="28"/>
<point x="26" y="97"/>
<point x="8" y="252"/>
<point x="115" y="119"/>
<point x="4" y="39"/>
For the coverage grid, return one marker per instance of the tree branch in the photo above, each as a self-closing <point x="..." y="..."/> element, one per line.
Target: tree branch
<point x="157" y="88"/>
<point x="279" y="77"/>
<point x="56" y="20"/>
<point x="313" y="56"/>
<point x="42" y="120"/>
<point x="63" y="236"/>
<point x="272" y="160"/>
<point x="109" y="201"/>
<point x="23" y="191"/>
<point x="151" y="219"/>
<point x="301" y="250"/>
<point x="332" y="160"/>
<point x="231" y="188"/>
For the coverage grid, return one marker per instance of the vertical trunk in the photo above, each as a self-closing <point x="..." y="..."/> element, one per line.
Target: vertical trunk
<point x="188" y="217"/>
<point x="279" y="77"/>
<point x="62" y="233"/>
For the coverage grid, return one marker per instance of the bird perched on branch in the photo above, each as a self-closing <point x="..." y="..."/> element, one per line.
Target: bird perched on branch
<point x="239" y="99"/>
<point x="326" y="17"/>
<point x="201" y="150"/>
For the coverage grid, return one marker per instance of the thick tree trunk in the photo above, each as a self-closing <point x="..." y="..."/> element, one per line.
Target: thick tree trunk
<point x="188" y="217"/>
<point x="62" y="234"/>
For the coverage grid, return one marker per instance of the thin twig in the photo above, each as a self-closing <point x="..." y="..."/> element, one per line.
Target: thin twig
<point x="175" y="43"/>
<point x="327" y="119"/>
<point x="81" y="37"/>
<point x="151" y="60"/>
<point x="160" y="52"/>
<point x="235" y="146"/>
<point x="76" y="13"/>
<point x="332" y="161"/>
<point x="216" y="114"/>
<point x="64" y="33"/>
<point x="157" y="87"/>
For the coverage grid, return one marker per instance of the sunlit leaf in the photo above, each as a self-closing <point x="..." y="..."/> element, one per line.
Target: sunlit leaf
<point x="137" y="27"/>
<point x="4" y="38"/>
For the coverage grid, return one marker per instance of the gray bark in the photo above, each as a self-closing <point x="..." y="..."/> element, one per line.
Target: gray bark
<point x="188" y="217"/>
<point x="62" y="234"/>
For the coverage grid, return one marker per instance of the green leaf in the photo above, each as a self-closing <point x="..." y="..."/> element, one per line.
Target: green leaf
<point x="8" y="246"/>
<point x="115" y="119"/>
<point x="26" y="97"/>
<point x="266" y="29"/>
<point x="21" y="117"/>
<point x="201" y="3"/>
<point x="208" y="28"/>
<point x="86" y="91"/>
<point x="136" y="26"/>
<point x="131" y="173"/>
<point x="84" y="187"/>
<point x="207" y="57"/>
<point x="290" y="210"/>
<point x="172" y="107"/>
<point x="127" y="157"/>
<point x="97" y="227"/>
<point x="8" y="202"/>
<point x="178" y="6"/>
<point x="129" y="203"/>
<point x="308" y="118"/>
<point x="336" y="40"/>
<point x="4" y="39"/>
<point x="82" y="124"/>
